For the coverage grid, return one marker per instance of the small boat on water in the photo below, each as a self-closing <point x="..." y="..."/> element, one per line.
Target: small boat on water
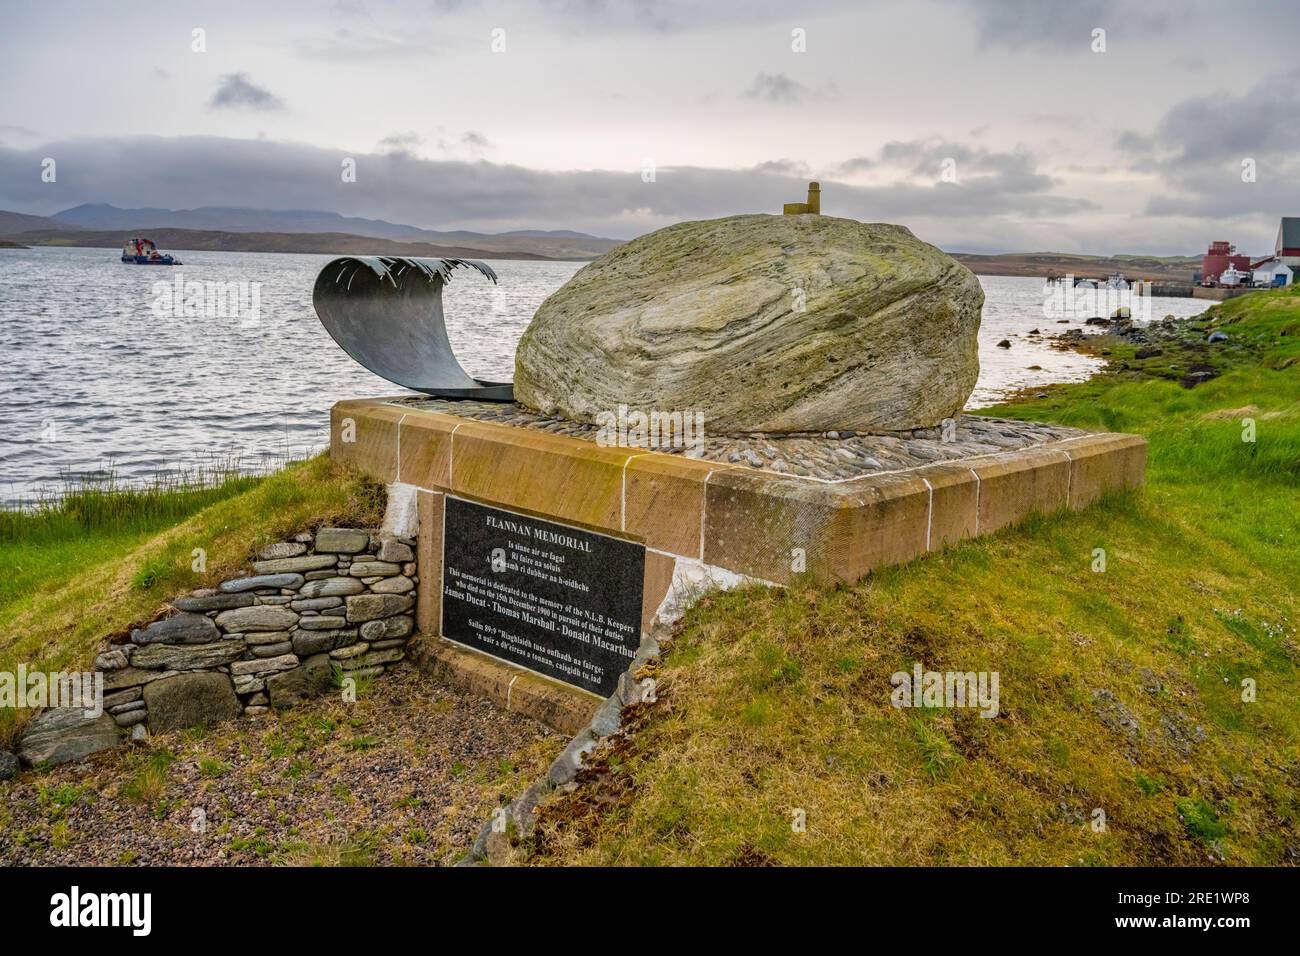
<point x="142" y="252"/>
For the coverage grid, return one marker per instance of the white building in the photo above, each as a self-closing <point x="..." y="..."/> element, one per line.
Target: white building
<point x="1265" y="273"/>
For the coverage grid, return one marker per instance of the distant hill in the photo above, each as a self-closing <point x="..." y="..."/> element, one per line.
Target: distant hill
<point x="6" y="244"/>
<point x="260" y="230"/>
<point x="322" y="243"/>
<point x="14" y="222"/>
<point x="556" y="244"/>
<point x="1164" y="268"/>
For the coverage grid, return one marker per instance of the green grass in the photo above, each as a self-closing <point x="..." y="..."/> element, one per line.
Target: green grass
<point x="59" y="535"/>
<point x="104" y="560"/>
<point x="777" y="701"/>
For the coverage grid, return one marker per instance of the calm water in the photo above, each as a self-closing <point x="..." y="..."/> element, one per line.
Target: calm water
<point x="95" y="378"/>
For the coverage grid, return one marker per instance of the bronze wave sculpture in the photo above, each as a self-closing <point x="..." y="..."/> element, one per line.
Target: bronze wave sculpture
<point x="386" y="312"/>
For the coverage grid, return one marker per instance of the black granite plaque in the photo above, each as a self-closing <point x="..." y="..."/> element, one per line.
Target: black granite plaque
<point x="559" y="600"/>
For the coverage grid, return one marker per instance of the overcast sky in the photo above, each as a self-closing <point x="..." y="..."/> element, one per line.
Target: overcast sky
<point x="1047" y="143"/>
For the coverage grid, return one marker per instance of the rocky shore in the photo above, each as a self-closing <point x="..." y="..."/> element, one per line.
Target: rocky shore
<point x="1188" y="351"/>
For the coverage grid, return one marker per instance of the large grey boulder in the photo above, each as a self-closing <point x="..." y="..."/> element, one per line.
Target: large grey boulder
<point x="61" y="734"/>
<point x="760" y="323"/>
<point x="190" y="700"/>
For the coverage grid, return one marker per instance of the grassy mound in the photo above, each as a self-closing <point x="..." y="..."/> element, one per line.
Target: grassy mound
<point x="1122" y="735"/>
<point x="100" y="562"/>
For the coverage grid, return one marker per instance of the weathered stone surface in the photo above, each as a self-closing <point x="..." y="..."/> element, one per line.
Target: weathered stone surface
<point x="313" y="678"/>
<point x="282" y="549"/>
<point x="342" y="540"/>
<point x="382" y="657"/>
<point x="306" y="643"/>
<point x="111" y="660"/>
<point x="352" y="650"/>
<point x="130" y="718"/>
<point x="266" y="637"/>
<point x="188" y="657"/>
<point x="284" y="580"/>
<point x="308" y="562"/>
<point x="331" y="587"/>
<point x="760" y="323"/>
<point x="247" y="683"/>
<point x="9" y="765"/>
<point x="321" y="622"/>
<point x="369" y="607"/>
<point x="190" y="700"/>
<point x="60" y="734"/>
<point x="317" y="604"/>
<point x="272" y="650"/>
<point x="393" y="550"/>
<point x="398" y="585"/>
<point x="182" y="628"/>
<point x="131" y="677"/>
<point x="264" y="666"/>
<point x="565" y="767"/>
<point x="122" y="697"/>
<point x="212" y="602"/>
<point x="257" y="618"/>
<point x="387" y="629"/>
<point x="376" y="569"/>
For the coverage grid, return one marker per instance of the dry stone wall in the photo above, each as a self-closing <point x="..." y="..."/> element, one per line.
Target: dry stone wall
<point x="319" y="607"/>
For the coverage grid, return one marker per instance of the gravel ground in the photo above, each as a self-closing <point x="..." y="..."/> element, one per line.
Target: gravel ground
<point x="406" y="775"/>
<point x="831" y="456"/>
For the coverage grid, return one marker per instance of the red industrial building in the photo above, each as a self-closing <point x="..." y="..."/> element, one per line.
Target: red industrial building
<point x="1220" y="257"/>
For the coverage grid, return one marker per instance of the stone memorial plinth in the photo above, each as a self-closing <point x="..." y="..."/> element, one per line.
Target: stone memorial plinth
<point x="774" y="509"/>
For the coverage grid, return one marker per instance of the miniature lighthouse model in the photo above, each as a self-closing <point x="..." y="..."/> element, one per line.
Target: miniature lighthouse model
<point x="813" y="205"/>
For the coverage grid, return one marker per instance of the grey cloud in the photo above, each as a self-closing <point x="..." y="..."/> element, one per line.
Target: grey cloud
<point x="403" y="142"/>
<point x="1196" y="151"/>
<point x="348" y="44"/>
<point x="1030" y="23"/>
<point x="236" y="90"/>
<point x="856" y="164"/>
<point x="186" y="172"/>
<point x="611" y="17"/>
<point x="784" y="167"/>
<point x="1013" y="172"/>
<point x="475" y="142"/>
<point x="776" y="88"/>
